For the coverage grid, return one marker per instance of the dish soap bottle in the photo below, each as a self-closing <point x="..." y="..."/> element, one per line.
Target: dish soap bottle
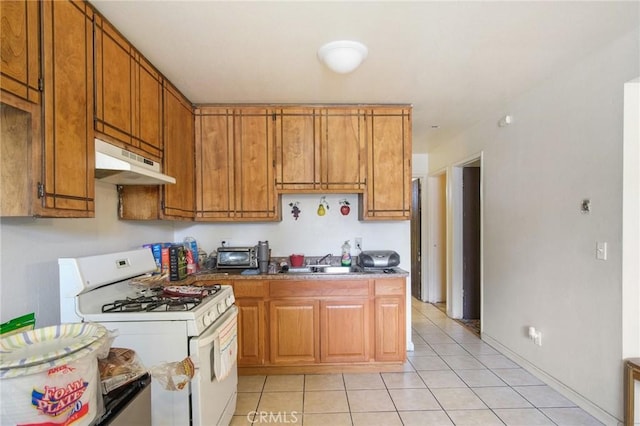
<point x="346" y="254"/>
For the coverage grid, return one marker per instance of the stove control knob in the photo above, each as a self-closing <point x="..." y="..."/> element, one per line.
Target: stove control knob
<point x="229" y="301"/>
<point x="206" y="320"/>
<point x="220" y="307"/>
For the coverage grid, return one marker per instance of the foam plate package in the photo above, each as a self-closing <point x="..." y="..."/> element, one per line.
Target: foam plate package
<point x="45" y="345"/>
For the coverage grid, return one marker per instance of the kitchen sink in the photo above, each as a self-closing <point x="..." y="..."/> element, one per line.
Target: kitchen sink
<point x="324" y="269"/>
<point x="337" y="269"/>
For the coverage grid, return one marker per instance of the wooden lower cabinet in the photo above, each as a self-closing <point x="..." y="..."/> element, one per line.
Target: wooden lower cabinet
<point x="250" y="332"/>
<point x="390" y="320"/>
<point x="294" y="331"/>
<point x="344" y="330"/>
<point x="249" y="295"/>
<point x="390" y="344"/>
<point x="320" y="324"/>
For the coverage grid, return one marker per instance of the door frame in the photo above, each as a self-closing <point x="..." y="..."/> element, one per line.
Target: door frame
<point x="435" y="221"/>
<point x="454" y="238"/>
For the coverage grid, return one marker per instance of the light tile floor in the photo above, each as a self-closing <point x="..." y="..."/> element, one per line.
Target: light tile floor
<point x="451" y="378"/>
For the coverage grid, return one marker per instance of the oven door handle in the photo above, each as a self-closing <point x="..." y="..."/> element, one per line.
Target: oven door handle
<point x="213" y="331"/>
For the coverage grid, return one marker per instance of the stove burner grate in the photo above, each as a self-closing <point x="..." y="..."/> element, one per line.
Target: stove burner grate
<point x="160" y="299"/>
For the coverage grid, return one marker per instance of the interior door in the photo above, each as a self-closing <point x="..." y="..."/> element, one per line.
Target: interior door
<point x="471" y="242"/>
<point x="416" y="241"/>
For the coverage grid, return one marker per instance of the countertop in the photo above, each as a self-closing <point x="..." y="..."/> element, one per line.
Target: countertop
<point x="209" y="275"/>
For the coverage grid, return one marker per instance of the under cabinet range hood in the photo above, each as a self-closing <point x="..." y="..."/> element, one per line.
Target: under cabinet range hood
<point x="121" y="167"/>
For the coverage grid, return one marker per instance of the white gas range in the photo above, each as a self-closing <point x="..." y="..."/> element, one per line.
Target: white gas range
<point x="163" y="325"/>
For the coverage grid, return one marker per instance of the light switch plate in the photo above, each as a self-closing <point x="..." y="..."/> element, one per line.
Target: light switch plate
<point x="601" y="250"/>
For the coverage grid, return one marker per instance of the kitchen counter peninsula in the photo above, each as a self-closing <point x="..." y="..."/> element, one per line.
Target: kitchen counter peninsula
<point x="317" y="322"/>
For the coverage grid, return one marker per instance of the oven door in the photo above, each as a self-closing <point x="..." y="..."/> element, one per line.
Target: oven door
<point x="213" y="396"/>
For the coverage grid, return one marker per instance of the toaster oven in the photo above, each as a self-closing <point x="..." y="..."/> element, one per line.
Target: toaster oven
<point x="237" y="257"/>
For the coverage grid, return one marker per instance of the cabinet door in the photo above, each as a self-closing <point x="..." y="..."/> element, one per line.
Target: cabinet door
<point x="390" y="319"/>
<point x="255" y="197"/>
<point x="179" y="199"/>
<point x="388" y="194"/>
<point x="294" y="331"/>
<point x="114" y="77"/>
<point x="148" y="108"/>
<point x="69" y="154"/>
<point x="215" y="184"/>
<point x="390" y="339"/>
<point x="344" y="330"/>
<point x="343" y="149"/>
<point x="19" y="49"/>
<point x="128" y="94"/>
<point x="297" y="149"/>
<point x="250" y="332"/>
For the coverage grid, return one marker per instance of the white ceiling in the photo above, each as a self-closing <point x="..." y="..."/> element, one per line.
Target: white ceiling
<point x="455" y="62"/>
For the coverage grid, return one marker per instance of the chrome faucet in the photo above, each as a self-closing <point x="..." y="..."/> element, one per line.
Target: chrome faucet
<point x="323" y="258"/>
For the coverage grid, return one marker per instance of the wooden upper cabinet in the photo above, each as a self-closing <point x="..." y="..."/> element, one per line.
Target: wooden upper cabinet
<point x="343" y="149"/>
<point x="215" y="186"/>
<point x="67" y="186"/>
<point x="320" y="150"/>
<point x="179" y="158"/>
<point x="19" y="49"/>
<point x="255" y="197"/>
<point x="234" y="164"/>
<point x="128" y="94"/>
<point x="297" y="149"/>
<point x="388" y="194"/>
<point x="148" y="107"/>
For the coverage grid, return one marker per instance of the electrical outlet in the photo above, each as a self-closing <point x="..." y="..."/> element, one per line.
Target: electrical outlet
<point x="601" y="250"/>
<point x="225" y="242"/>
<point x="358" y="241"/>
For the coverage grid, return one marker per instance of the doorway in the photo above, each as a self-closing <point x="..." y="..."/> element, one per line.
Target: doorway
<point x="416" y="239"/>
<point x="471" y="242"/>
<point x="466" y="265"/>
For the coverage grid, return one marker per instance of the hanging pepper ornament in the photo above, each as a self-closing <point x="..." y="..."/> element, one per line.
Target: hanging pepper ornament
<point x="344" y="207"/>
<point x="323" y="207"/>
<point x="295" y="210"/>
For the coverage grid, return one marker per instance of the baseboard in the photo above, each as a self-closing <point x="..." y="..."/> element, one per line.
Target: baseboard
<point x="581" y="401"/>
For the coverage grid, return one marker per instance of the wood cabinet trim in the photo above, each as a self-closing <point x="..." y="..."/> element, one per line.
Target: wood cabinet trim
<point x="319" y="288"/>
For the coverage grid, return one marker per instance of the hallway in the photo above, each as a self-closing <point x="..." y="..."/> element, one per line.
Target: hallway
<point x="451" y="378"/>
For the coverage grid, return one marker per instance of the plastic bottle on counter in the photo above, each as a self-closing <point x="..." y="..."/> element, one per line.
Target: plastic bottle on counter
<point x="346" y="254"/>
<point x="191" y="245"/>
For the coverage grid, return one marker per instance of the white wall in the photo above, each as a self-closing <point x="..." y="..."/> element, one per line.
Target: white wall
<point x="540" y="268"/>
<point x="310" y="234"/>
<point x="30" y="249"/>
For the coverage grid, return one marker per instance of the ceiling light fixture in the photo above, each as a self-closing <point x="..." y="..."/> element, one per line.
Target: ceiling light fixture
<point x="343" y="56"/>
